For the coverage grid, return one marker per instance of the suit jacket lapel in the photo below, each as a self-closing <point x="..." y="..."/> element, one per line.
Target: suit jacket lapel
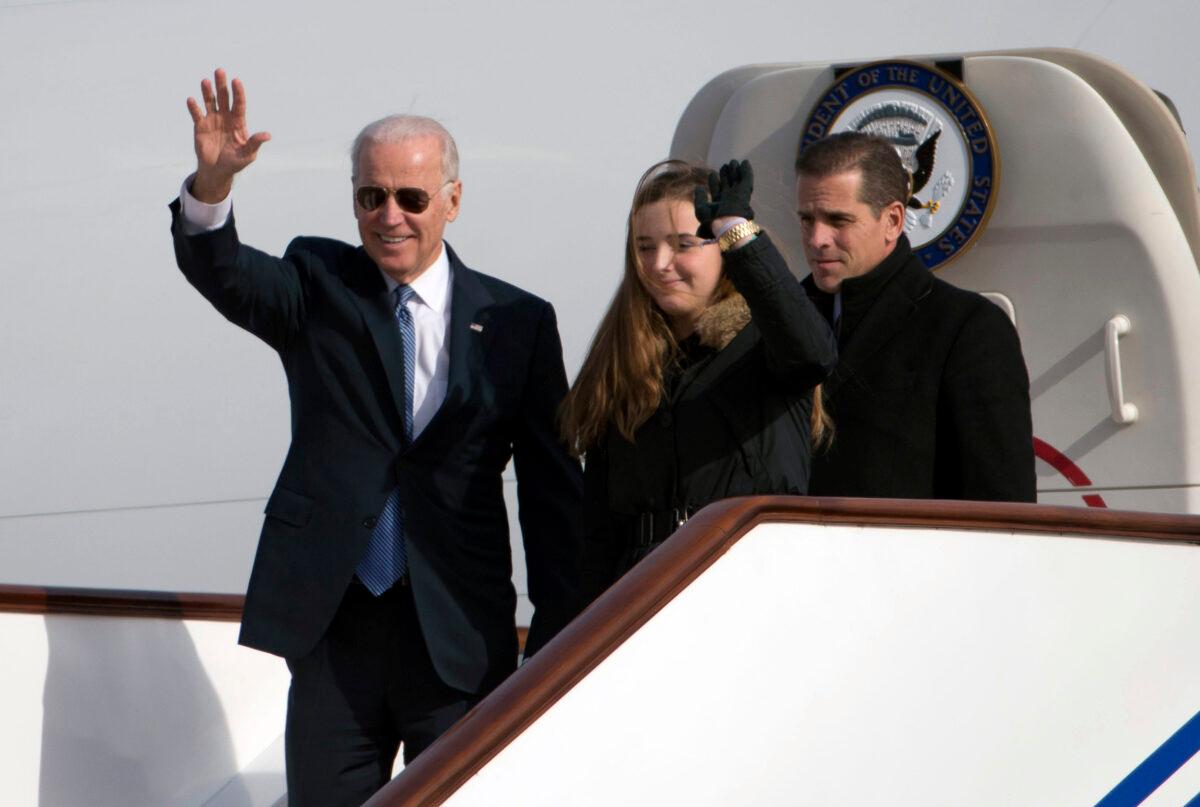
<point x="371" y="296"/>
<point x="469" y="333"/>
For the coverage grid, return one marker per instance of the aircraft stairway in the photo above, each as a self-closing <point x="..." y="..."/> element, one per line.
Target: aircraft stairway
<point x="870" y="651"/>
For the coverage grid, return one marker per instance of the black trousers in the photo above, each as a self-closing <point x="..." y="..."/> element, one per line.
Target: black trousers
<point x="368" y="687"/>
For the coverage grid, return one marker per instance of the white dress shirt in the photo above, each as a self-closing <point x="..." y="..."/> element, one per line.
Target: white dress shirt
<point x="430" y="309"/>
<point x="429" y="306"/>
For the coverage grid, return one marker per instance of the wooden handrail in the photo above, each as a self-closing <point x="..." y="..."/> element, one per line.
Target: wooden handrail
<point x="60" y="600"/>
<point x="447" y="764"/>
<point x="120" y="603"/>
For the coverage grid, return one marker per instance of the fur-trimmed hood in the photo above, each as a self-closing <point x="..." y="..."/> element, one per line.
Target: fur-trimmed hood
<point x="719" y="323"/>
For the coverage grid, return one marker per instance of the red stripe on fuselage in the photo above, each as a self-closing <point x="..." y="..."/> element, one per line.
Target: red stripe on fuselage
<point x="1073" y="473"/>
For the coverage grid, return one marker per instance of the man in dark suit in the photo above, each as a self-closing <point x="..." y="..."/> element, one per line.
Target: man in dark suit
<point x="383" y="572"/>
<point x="930" y="397"/>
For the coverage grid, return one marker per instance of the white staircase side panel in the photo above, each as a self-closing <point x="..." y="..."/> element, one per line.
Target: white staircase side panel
<point x="23" y="646"/>
<point x="262" y="783"/>
<point x="119" y="711"/>
<point x="871" y="665"/>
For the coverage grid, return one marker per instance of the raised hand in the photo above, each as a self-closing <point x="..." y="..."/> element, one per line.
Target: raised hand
<point x="224" y="145"/>
<point x="728" y="196"/>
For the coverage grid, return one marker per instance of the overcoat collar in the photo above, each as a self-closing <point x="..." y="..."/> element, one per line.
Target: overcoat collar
<point x="700" y="378"/>
<point x="895" y="302"/>
<point x="719" y="323"/>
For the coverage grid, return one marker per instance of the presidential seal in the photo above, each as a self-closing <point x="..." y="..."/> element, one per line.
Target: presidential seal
<point x="943" y="139"/>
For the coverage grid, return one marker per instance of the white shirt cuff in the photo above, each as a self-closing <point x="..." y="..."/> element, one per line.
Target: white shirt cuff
<point x="199" y="217"/>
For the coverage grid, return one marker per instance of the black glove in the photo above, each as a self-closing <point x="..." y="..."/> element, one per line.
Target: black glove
<point x="730" y="193"/>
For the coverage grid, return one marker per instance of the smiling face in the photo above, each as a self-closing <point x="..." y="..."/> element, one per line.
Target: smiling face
<point x="843" y="237"/>
<point x="677" y="269"/>
<point x="405" y="244"/>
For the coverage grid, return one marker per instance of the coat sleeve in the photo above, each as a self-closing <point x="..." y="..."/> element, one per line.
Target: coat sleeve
<point x="549" y="491"/>
<point x="801" y="348"/>
<point x="253" y="290"/>
<point x="985" y="430"/>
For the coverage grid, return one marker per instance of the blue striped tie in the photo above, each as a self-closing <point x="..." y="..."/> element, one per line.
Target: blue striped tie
<point x="386" y="559"/>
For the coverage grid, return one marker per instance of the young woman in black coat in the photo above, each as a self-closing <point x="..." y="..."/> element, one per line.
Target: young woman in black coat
<point x="700" y="381"/>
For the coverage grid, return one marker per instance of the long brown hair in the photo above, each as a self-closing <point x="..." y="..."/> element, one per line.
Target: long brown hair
<point x="621" y="381"/>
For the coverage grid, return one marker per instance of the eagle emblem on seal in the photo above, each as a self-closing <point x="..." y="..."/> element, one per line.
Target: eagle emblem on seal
<point x="943" y="139"/>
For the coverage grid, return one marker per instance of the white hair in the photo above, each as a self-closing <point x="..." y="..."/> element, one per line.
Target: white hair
<point x="397" y="128"/>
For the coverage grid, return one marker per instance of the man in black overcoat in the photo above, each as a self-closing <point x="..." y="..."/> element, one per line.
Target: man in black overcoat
<point x="930" y="397"/>
<point x="383" y="571"/>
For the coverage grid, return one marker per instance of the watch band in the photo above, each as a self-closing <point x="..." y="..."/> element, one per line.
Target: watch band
<point x="737" y="233"/>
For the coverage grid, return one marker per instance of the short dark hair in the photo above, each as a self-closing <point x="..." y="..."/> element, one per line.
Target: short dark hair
<point x="884" y="178"/>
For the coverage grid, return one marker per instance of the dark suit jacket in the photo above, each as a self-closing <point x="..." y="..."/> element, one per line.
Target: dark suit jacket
<point x="930" y="397"/>
<point x="324" y="308"/>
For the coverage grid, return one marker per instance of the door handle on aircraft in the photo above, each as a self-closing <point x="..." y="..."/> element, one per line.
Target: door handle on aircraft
<point x="1122" y="411"/>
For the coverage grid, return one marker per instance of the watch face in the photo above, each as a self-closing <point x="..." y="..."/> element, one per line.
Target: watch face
<point x="942" y="136"/>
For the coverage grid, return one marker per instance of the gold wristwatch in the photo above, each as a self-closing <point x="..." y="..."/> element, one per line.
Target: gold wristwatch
<point x="737" y="233"/>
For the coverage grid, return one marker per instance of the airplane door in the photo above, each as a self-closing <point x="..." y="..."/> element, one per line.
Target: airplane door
<point x="1091" y="239"/>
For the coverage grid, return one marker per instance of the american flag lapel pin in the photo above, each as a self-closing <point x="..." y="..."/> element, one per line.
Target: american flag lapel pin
<point x="476" y="327"/>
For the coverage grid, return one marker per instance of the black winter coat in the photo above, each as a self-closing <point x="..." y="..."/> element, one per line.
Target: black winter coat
<point x="930" y="398"/>
<point x="734" y="420"/>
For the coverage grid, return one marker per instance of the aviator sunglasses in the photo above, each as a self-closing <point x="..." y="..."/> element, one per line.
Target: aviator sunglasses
<point x="410" y="200"/>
